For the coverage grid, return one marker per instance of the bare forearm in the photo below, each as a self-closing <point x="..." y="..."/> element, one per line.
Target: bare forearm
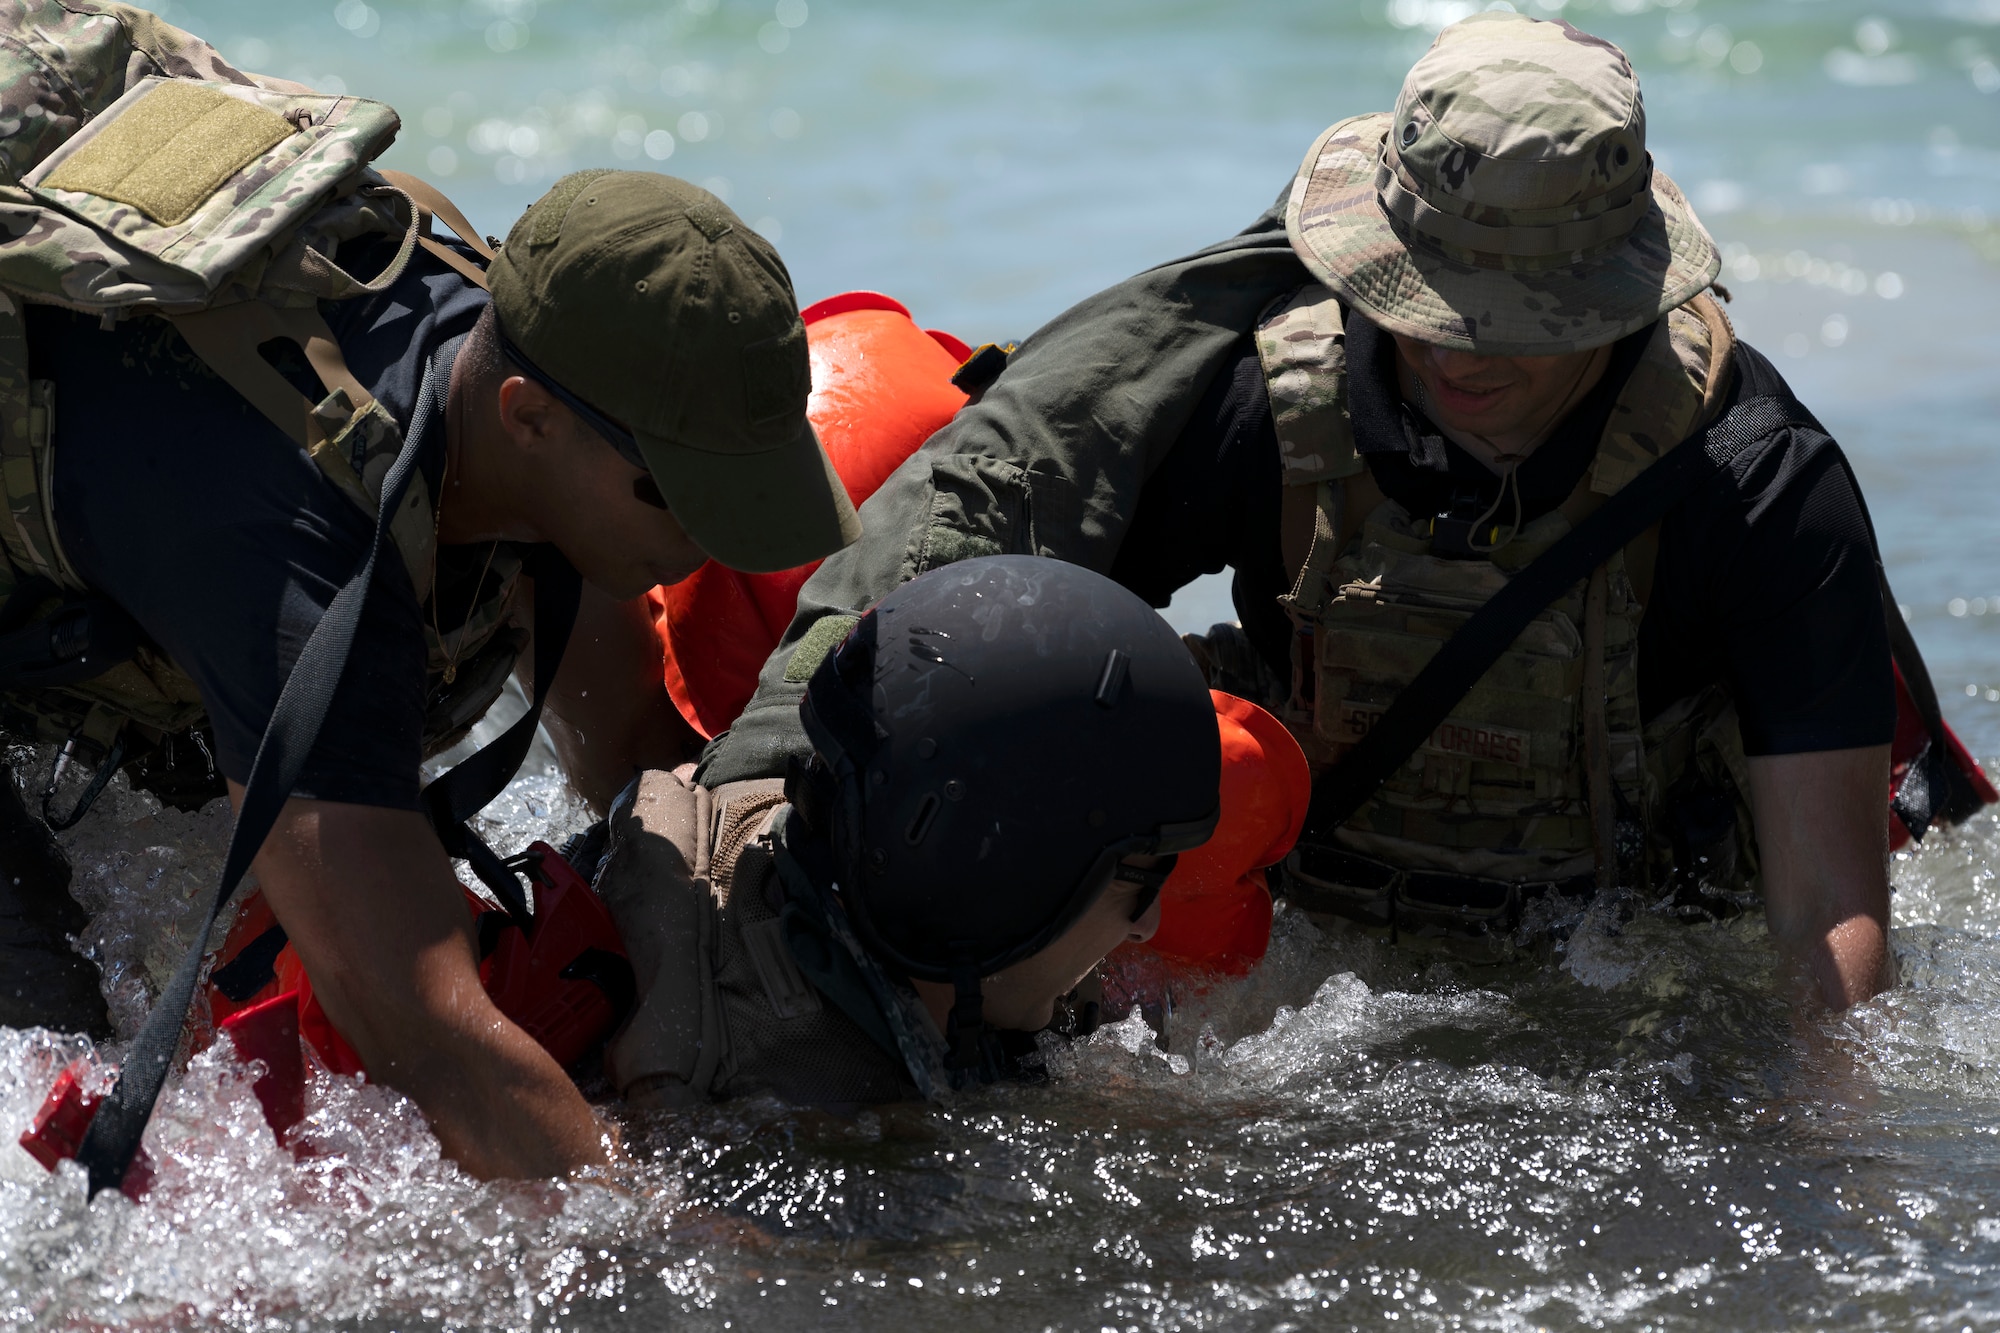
<point x="1822" y="833"/>
<point x="369" y="902"/>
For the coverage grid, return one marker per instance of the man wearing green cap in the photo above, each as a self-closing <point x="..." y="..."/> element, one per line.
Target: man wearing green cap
<point x="632" y="395"/>
<point x="1471" y="327"/>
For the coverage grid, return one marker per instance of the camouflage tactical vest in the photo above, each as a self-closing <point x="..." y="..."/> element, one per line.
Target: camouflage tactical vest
<point x="1497" y="804"/>
<point x="692" y="881"/>
<point x="142" y="175"/>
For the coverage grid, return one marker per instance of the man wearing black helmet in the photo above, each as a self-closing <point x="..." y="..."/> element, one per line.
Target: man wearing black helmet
<point x="858" y="931"/>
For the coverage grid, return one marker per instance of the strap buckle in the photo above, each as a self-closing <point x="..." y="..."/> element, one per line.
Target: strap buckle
<point x="113" y="757"/>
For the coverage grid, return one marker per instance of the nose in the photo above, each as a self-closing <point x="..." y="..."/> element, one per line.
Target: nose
<point x="1458" y="365"/>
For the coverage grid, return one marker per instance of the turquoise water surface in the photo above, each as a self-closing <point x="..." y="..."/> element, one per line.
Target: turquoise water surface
<point x="1628" y="1129"/>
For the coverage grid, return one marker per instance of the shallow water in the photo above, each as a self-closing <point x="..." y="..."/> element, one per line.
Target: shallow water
<point x="1625" y="1128"/>
<point x="1629" y="1128"/>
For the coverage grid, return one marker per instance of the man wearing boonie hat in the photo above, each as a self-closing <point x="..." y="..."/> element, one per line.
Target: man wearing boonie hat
<point x="1473" y="326"/>
<point x="629" y="402"/>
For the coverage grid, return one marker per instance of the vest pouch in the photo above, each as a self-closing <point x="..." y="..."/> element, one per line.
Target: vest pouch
<point x="655" y="883"/>
<point x="1498" y="791"/>
<point x="1507" y="750"/>
<point x="181" y="183"/>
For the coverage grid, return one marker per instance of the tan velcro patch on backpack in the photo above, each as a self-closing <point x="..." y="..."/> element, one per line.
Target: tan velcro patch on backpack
<point x="171" y="150"/>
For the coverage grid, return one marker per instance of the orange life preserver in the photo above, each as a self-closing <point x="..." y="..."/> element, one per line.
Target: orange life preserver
<point x="566" y="985"/>
<point x="881" y="386"/>
<point x="1215" y="909"/>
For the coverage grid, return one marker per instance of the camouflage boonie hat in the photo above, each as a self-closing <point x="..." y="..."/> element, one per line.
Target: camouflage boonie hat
<point x="1508" y="205"/>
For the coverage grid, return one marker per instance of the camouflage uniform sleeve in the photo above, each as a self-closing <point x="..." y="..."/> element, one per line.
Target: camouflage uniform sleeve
<point x="1049" y="461"/>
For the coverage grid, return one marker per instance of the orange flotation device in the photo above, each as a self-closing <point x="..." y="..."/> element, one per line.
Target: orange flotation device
<point x="1215" y="909"/>
<point x="881" y="386"/>
<point x="566" y="982"/>
<point x="1911" y="748"/>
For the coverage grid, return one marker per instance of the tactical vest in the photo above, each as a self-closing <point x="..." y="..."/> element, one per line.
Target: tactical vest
<point x="140" y="174"/>
<point x="692" y="879"/>
<point x="1498" y="804"/>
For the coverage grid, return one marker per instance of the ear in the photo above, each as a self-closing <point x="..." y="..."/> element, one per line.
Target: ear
<point x="529" y="414"/>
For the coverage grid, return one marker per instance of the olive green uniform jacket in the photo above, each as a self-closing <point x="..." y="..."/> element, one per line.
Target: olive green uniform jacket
<point x="1048" y="461"/>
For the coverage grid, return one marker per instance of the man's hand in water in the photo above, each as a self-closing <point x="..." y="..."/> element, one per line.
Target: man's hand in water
<point x="369" y="901"/>
<point x="1823" y="841"/>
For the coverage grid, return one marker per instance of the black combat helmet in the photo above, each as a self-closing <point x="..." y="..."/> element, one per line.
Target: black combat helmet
<point x="999" y="733"/>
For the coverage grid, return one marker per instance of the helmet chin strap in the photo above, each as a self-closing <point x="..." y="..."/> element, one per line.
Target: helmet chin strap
<point x="966" y="1033"/>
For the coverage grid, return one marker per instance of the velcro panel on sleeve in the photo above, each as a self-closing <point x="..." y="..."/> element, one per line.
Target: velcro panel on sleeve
<point x="171" y="150"/>
<point x="820" y="638"/>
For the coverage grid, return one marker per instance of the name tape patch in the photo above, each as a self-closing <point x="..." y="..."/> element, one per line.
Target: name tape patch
<point x="1459" y="740"/>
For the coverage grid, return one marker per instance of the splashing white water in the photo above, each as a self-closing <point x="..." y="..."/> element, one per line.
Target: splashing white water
<point x="1628" y="1124"/>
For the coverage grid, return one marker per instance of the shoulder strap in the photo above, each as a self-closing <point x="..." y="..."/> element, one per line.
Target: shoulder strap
<point x="1302" y="346"/>
<point x="226" y="338"/>
<point x="1480" y="641"/>
<point x="1680" y="383"/>
<point x="432" y="203"/>
<point x="289" y="737"/>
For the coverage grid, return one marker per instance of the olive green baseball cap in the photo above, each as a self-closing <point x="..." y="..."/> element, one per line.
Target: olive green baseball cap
<point x="670" y="323"/>
<point x="1507" y="206"/>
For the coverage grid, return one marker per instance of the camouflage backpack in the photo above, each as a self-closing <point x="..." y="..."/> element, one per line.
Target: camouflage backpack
<point x="141" y="173"/>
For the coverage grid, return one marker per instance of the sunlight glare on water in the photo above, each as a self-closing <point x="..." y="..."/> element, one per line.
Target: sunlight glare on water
<point x="1625" y="1126"/>
<point x="1612" y="1120"/>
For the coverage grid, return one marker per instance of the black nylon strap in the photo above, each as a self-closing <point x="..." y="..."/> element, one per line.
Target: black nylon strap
<point x="1487" y="633"/>
<point x="288" y="739"/>
<point x="462" y="793"/>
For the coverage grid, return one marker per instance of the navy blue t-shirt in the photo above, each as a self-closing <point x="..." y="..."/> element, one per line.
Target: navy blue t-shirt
<point x="224" y="540"/>
<point x="1765" y="580"/>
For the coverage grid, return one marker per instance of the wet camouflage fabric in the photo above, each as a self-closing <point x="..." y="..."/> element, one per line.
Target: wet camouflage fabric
<point x="1509" y="121"/>
<point x="93" y="253"/>
<point x="65" y="62"/>
<point x="69" y="69"/>
<point x="1499" y="790"/>
<point x="1445" y="221"/>
<point x="1302" y="346"/>
<point x="1672" y="392"/>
